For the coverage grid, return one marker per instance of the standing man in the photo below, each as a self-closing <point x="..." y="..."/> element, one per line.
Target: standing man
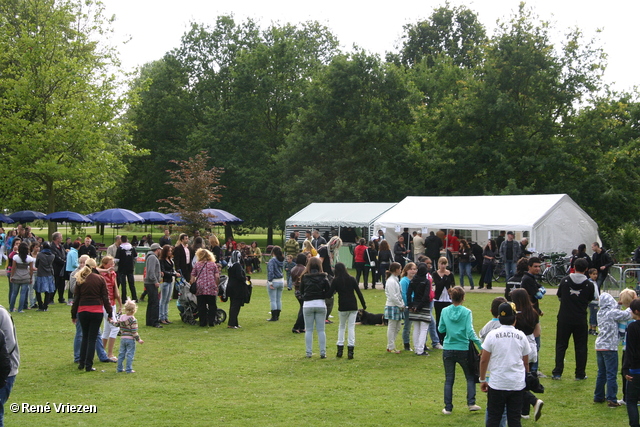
<point x="166" y="239"/>
<point x="575" y="292"/>
<point x="182" y="255"/>
<point x="531" y="285"/>
<point x="601" y="261"/>
<point x="418" y="245"/>
<point x="523" y="247"/>
<point x="505" y="354"/>
<point x="500" y="239"/>
<point x="9" y="358"/>
<point x="126" y="258"/>
<point x="151" y="284"/>
<point x="88" y="249"/>
<point x="59" y="261"/>
<point x="432" y="246"/>
<point x="510" y="254"/>
<point x="318" y="240"/>
<point x="113" y="249"/>
<point x="291" y="246"/>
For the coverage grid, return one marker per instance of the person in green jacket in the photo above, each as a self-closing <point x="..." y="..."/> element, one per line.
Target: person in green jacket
<point x="457" y="323"/>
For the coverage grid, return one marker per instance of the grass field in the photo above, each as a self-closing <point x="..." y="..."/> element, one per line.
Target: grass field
<point x="258" y="375"/>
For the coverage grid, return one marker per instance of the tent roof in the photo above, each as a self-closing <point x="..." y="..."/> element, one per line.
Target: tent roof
<point x="518" y="213"/>
<point x="339" y="214"/>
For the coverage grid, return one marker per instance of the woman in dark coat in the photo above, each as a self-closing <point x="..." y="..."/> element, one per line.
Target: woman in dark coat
<point x="296" y="275"/>
<point x="346" y="287"/>
<point x="236" y="288"/>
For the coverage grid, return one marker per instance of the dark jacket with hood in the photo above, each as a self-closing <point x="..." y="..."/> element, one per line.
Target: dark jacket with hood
<point x="315" y="285"/>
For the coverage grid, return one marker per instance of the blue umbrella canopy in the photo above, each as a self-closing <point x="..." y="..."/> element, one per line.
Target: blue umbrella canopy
<point x="6" y="219"/>
<point x="218" y="216"/>
<point x="116" y="216"/>
<point x="67" y="216"/>
<point x="26" y="216"/>
<point x="152" y="217"/>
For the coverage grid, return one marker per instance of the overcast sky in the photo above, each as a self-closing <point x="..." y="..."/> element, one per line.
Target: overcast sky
<point x="155" y="26"/>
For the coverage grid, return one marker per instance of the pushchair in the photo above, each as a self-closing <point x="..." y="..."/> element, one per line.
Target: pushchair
<point x="187" y="302"/>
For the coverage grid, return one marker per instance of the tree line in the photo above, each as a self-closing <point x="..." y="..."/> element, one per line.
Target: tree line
<point x="292" y="119"/>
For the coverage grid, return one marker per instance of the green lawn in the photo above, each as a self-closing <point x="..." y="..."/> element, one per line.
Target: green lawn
<point x="258" y="375"/>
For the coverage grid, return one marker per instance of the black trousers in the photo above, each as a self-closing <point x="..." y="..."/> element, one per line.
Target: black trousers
<point x="60" y="284"/>
<point x="528" y="400"/>
<point x="439" y="306"/>
<point x="123" y="277"/>
<point x="90" y="324"/>
<point x="153" y="304"/>
<point x="361" y="268"/>
<point x="43" y="304"/>
<point x="497" y="400"/>
<point x="234" y="309"/>
<point x="299" y="326"/>
<point x="207" y="309"/>
<point x="580" y="334"/>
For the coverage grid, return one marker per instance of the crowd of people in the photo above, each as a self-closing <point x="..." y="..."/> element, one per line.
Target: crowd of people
<point x="419" y="295"/>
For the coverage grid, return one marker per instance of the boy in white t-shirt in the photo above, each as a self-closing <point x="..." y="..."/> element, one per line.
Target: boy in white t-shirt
<point x="505" y="353"/>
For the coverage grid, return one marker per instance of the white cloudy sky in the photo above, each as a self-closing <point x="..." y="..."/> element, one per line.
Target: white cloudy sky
<point x="155" y="26"/>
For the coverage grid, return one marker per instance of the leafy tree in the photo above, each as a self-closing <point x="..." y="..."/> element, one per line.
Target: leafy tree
<point x="61" y="143"/>
<point x="197" y="188"/>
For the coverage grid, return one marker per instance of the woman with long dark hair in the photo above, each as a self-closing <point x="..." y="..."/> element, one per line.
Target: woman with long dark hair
<point x="275" y="282"/>
<point x="346" y="287"/>
<point x="443" y="280"/>
<point x="372" y="261"/>
<point x="489" y="255"/>
<point x="296" y="276"/>
<point x="90" y="296"/>
<point x="464" y="255"/>
<point x="419" y="303"/>
<point x="385" y="258"/>
<point x="236" y="288"/>
<point x="315" y="288"/>
<point x="168" y="273"/>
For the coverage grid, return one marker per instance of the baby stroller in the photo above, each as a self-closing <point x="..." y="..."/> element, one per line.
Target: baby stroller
<point x="187" y="302"/>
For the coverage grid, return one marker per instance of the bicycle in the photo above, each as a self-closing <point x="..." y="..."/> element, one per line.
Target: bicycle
<point x="557" y="267"/>
<point x="498" y="270"/>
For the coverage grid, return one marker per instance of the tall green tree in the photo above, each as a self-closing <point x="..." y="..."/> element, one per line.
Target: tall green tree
<point x="62" y="142"/>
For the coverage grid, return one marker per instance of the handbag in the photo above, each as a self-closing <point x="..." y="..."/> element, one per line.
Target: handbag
<point x="472" y="258"/>
<point x="423" y="315"/>
<point x="371" y="263"/>
<point x="474" y="361"/>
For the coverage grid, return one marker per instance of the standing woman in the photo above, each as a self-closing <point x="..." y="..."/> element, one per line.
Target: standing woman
<point x="90" y="296"/>
<point x="21" y="274"/>
<point x="236" y="288"/>
<point x="372" y="262"/>
<point x="34" y="250"/>
<point x="385" y="258"/>
<point x="408" y="273"/>
<point x="208" y="276"/>
<point x="275" y="282"/>
<point x="360" y="259"/>
<point x="394" y="306"/>
<point x="419" y="302"/>
<point x="214" y="243"/>
<point x="110" y="332"/>
<point x="44" y="277"/>
<point x="464" y="255"/>
<point x="489" y="256"/>
<point x="457" y="325"/>
<point x="444" y="281"/>
<point x="314" y="288"/>
<point x="347" y="287"/>
<point x="296" y="277"/>
<point x="167" y="267"/>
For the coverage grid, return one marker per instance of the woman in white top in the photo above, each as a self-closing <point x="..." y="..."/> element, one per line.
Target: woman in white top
<point x="394" y="307"/>
<point x="21" y="274"/>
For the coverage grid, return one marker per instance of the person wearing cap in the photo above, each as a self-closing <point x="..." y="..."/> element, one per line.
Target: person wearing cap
<point x="505" y="353"/>
<point x="510" y="254"/>
<point x="151" y="284"/>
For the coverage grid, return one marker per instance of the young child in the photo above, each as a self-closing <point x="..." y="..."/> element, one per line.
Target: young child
<point x="593" y="305"/>
<point x="288" y="266"/>
<point x="607" y="350"/>
<point x="626" y="298"/>
<point x="494" y="322"/>
<point x="631" y="364"/>
<point x="129" y="335"/>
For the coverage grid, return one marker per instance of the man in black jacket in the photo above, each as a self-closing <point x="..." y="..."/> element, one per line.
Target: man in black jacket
<point x="601" y="261"/>
<point x="126" y="257"/>
<point x="575" y="292"/>
<point x="59" y="261"/>
<point x="432" y="245"/>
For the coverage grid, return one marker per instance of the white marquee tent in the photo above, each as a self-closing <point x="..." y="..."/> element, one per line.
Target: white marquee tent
<point x="339" y="214"/>
<point x="554" y="221"/>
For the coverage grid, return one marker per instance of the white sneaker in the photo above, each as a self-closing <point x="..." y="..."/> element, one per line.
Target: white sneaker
<point x="622" y="402"/>
<point x="524" y="417"/>
<point x="444" y="411"/>
<point x="438" y="346"/>
<point x="474" y="408"/>
<point x="537" y="410"/>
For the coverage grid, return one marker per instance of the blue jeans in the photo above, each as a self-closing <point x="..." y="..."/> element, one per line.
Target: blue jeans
<point x="314" y="317"/>
<point x="593" y="313"/>
<point x="77" y="342"/>
<point x="275" y="294"/>
<point x="406" y="330"/>
<point x="509" y="268"/>
<point x="128" y="350"/>
<point x="23" y="289"/>
<point x="450" y="358"/>
<point x="607" y="372"/>
<point x="4" y="396"/>
<point x="465" y="270"/>
<point x="166" y="289"/>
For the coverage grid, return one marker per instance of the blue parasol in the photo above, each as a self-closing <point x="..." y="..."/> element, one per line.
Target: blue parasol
<point x="67" y="216"/>
<point x="218" y="216"/>
<point x="116" y="216"/>
<point x="152" y="217"/>
<point x="26" y="216"/>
